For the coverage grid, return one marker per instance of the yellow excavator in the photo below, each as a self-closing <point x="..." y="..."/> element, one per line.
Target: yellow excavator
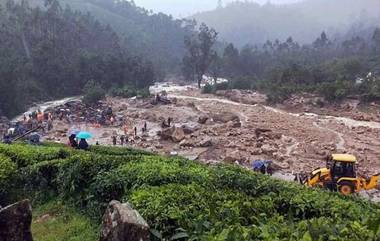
<point x="340" y="175"/>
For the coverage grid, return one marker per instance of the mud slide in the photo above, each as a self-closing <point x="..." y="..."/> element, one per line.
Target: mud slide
<point x="341" y="142"/>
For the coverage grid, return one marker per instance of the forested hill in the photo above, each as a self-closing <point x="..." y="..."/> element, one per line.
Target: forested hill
<point x="158" y="37"/>
<point x="248" y="22"/>
<point x="54" y="52"/>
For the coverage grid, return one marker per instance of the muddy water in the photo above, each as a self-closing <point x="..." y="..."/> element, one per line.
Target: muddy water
<point x="46" y="105"/>
<point x="171" y="89"/>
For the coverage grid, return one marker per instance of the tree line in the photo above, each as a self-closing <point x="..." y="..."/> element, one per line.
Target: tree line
<point x="52" y="52"/>
<point x="334" y="69"/>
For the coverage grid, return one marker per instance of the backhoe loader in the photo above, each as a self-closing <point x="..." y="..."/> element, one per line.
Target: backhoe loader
<point x="340" y="175"/>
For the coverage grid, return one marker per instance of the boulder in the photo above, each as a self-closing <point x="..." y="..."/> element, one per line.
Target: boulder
<point x="268" y="149"/>
<point x="207" y="142"/>
<point x="175" y="134"/>
<point x="260" y="131"/>
<point x="225" y="117"/>
<point x="188" y="143"/>
<point x="235" y="124"/>
<point x="178" y="134"/>
<point x="188" y="130"/>
<point x="15" y="221"/>
<point x="202" y="119"/>
<point x="122" y="223"/>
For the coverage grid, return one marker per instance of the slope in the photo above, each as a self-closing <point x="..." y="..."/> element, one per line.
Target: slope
<point x="157" y="37"/>
<point x="248" y="22"/>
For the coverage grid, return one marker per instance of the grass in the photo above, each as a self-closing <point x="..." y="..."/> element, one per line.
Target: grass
<point x="54" y="221"/>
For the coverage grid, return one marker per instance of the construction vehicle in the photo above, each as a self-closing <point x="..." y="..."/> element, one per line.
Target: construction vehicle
<point x="340" y="174"/>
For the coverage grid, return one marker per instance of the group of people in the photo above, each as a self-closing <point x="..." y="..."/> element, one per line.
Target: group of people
<point x="166" y="124"/>
<point x="31" y="122"/>
<point x="124" y="139"/>
<point x="73" y="142"/>
<point x="38" y="118"/>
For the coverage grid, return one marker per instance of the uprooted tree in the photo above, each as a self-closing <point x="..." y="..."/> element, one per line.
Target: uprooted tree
<point x="200" y="53"/>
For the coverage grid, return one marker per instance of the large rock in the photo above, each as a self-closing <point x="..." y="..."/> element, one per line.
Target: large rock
<point x="175" y="134"/>
<point x="202" y="119"/>
<point x="122" y="223"/>
<point x="15" y="221"/>
<point x="268" y="149"/>
<point x="178" y="134"/>
<point x="188" y="129"/>
<point x="225" y="117"/>
<point x="206" y="142"/>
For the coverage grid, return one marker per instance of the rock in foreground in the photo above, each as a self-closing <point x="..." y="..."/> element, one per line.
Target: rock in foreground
<point x="15" y="221"/>
<point x="122" y="223"/>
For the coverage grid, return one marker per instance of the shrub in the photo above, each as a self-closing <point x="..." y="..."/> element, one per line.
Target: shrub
<point x="125" y="92"/>
<point x="8" y="170"/>
<point x="186" y="200"/>
<point x="242" y="83"/>
<point x="221" y="86"/>
<point x="207" y="89"/>
<point x="143" y="93"/>
<point x="93" y="94"/>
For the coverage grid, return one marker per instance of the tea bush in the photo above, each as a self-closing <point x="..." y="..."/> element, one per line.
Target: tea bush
<point x="184" y="200"/>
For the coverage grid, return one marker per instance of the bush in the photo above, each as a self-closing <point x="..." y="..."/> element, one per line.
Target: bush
<point x="125" y="92"/>
<point x="208" y="89"/>
<point x="8" y="170"/>
<point x="221" y="86"/>
<point x="93" y="94"/>
<point x="179" y="198"/>
<point x="242" y="83"/>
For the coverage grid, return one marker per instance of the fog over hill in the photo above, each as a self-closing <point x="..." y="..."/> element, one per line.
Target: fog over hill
<point x="249" y="22"/>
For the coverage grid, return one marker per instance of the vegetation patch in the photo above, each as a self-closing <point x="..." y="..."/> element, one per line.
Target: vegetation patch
<point x="180" y="199"/>
<point x="54" y="221"/>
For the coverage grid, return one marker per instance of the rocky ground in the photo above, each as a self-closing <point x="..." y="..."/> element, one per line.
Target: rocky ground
<point x="236" y="126"/>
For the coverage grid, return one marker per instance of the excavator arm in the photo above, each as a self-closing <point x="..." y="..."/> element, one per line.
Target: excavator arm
<point x="372" y="182"/>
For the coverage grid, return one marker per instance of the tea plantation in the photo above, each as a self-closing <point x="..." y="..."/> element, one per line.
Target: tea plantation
<point x="181" y="199"/>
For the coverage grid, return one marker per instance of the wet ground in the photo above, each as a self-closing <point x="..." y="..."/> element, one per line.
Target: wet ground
<point x="296" y="142"/>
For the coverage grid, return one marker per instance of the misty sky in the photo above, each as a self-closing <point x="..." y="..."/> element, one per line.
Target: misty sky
<point x="184" y="8"/>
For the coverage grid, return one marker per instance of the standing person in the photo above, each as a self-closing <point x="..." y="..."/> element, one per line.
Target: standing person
<point x="169" y="121"/>
<point x="72" y="142"/>
<point x="50" y="124"/>
<point x="40" y="116"/>
<point x="125" y="128"/>
<point x="135" y="130"/>
<point x="122" y="138"/>
<point x="145" y="126"/>
<point x="29" y="123"/>
<point x="114" y="140"/>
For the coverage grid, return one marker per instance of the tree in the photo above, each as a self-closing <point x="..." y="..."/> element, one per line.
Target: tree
<point x="322" y="41"/>
<point x="199" y="52"/>
<point x="216" y="67"/>
<point x="376" y="39"/>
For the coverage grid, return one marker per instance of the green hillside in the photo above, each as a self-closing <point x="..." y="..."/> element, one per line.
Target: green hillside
<point x="246" y="22"/>
<point x="155" y="36"/>
<point x="176" y="196"/>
